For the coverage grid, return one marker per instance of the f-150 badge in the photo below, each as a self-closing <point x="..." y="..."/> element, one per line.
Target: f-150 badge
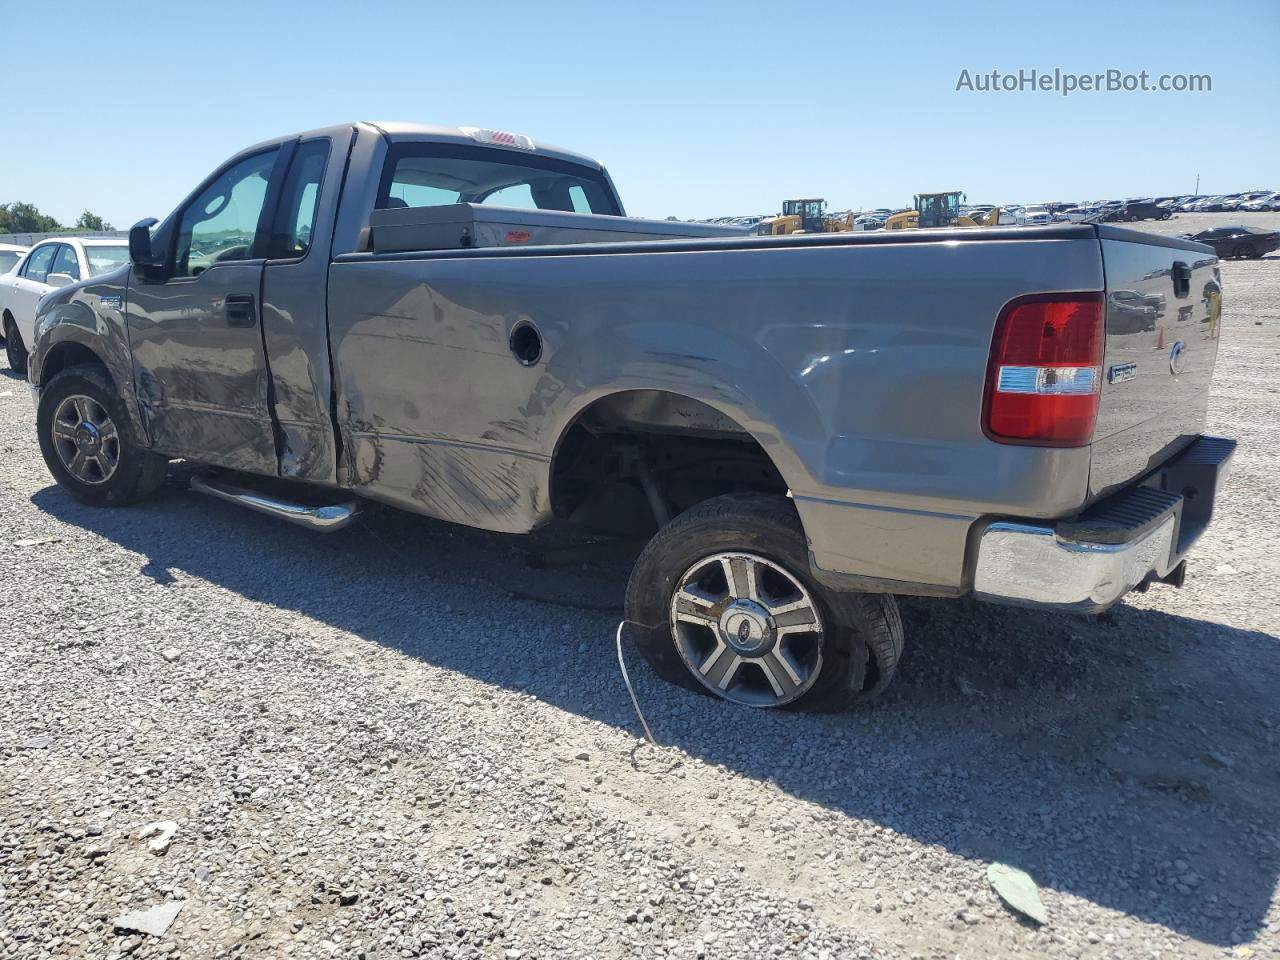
<point x="1122" y="372"/>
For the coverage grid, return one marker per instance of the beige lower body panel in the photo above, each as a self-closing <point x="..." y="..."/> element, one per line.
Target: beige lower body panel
<point x="909" y="551"/>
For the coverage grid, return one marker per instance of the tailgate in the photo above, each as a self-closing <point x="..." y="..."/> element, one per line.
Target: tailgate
<point x="1162" y="309"/>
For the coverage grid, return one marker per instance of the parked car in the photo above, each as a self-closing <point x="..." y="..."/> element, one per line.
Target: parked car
<point x="1142" y="210"/>
<point x="1268" y="201"/>
<point x="1236" y="201"/>
<point x="1078" y="214"/>
<point x="753" y="400"/>
<point x="10" y="254"/>
<point x="1238" y="241"/>
<point x="1129" y="311"/>
<point x="50" y="264"/>
<point x="1036" y="216"/>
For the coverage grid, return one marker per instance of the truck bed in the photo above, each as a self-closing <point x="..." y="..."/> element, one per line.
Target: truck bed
<point x="857" y="360"/>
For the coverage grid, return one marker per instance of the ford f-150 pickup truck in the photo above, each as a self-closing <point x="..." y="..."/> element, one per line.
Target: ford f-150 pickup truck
<point x="463" y="323"/>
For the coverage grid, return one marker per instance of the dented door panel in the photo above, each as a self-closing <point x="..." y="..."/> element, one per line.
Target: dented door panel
<point x="200" y="375"/>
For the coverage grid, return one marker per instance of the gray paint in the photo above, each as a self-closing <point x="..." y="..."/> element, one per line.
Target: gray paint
<point x="1143" y="420"/>
<point x="202" y="384"/>
<point x="296" y="337"/>
<point x="857" y="361"/>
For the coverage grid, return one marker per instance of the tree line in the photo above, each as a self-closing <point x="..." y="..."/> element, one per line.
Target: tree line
<point x="26" y="218"/>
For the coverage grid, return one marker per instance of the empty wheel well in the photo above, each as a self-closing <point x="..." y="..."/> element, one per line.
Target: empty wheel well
<point x="630" y="455"/>
<point x="66" y="355"/>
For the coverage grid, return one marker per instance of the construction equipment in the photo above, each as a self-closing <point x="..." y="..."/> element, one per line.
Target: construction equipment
<point x="938" y="210"/>
<point x="804" y="216"/>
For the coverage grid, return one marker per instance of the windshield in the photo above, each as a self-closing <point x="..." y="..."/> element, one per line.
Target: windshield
<point x="102" y="259"/>
<point x="436" y="174"/>
<point x="7" y="259"/>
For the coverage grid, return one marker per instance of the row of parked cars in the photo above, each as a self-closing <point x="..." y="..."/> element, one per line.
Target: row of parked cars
<point x="1255" y="201"/>
<point x="26" y="275"/>
<point x="1130" y="210"/>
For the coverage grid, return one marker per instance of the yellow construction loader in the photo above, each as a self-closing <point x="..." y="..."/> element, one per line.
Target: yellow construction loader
<point x="939" y="210"/>
<point x="803" y="216"/>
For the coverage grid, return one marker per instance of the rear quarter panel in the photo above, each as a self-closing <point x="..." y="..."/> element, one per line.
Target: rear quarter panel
<point x="859" y="369"/>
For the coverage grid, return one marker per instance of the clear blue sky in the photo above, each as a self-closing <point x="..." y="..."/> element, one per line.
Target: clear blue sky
<point x="697" y="108"/>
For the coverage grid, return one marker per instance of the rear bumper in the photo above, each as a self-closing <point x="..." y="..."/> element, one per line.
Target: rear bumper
<point x="1136" y="536"/>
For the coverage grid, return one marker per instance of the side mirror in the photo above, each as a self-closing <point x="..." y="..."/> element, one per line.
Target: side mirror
<point x="140" y="253"/>
<point x="59" y="279"/>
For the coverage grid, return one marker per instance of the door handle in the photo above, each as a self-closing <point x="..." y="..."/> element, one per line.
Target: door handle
<point x="240" y="310"/>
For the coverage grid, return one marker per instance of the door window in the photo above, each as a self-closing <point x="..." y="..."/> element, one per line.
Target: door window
<point x="222" y="222"/>
<point x="66" y="262"/>
<point x="299" y="201"/>
<point x="38" y="263"/>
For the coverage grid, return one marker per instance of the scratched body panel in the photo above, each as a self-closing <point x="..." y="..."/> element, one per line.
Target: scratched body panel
<point x="813" y="367"/>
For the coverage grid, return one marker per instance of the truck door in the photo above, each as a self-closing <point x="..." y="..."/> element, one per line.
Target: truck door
<point x="294" y="320"/>
<point x="200" y="368"/>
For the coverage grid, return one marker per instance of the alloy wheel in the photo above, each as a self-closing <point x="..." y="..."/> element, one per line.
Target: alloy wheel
<point x="747" y="629"/>
<point x="86" y="439"/>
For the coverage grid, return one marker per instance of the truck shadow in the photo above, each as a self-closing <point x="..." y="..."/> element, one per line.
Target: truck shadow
<point x="1126" y="760"/>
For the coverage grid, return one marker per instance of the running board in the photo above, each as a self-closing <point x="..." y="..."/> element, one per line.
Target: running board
<point x="327" y="518"/>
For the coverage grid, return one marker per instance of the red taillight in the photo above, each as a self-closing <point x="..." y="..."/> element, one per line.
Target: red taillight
<point x="1045" y="371"/>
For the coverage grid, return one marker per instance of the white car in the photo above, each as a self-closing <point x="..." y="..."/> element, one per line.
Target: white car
<point x="50" y="264"/>
<point x="10" y="254"/>
<point x="1267" y="202"/>
<point x="1036" y="216"/>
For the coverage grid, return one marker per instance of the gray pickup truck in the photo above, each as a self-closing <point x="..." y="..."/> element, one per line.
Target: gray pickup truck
<point x="464" y="324"/>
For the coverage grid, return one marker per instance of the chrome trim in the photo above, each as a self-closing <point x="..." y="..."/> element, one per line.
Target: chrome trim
<point x="1030" y="564"/>
<point x="325" y="518"/>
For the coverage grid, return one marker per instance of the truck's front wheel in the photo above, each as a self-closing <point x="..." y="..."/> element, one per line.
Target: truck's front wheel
<point x="87" y="442"/>
<point x="729" y="608"/>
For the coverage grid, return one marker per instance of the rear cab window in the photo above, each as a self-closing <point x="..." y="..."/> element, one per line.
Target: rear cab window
<point x="437" y="174"/>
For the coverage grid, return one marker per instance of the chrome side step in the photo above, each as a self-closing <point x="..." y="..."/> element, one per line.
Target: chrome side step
<point x="325" y="518"/>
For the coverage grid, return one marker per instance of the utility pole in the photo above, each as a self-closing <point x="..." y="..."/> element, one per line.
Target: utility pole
<point x="1197" y="184"/>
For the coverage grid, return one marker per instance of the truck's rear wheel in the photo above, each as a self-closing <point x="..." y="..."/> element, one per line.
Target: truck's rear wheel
<point x="87" y="442"/>
<point x="15" y="350"/>
<point x="730" y="609"/>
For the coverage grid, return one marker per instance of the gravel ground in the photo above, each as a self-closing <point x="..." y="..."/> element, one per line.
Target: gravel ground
<point x="410" y="739"/>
